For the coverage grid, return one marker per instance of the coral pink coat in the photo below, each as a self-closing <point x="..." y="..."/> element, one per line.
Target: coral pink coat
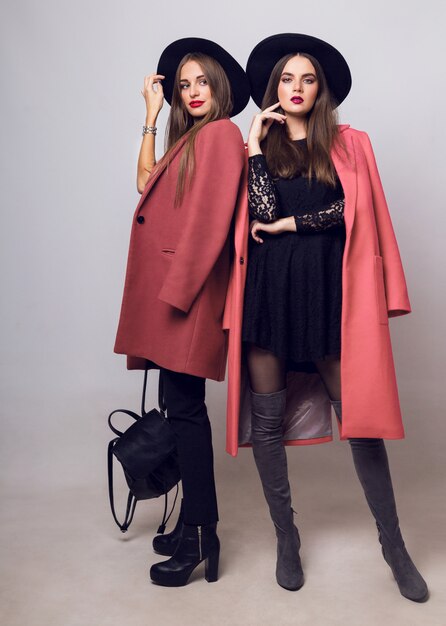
<point x="179" y="259"/>
<point x="374" y="288"/>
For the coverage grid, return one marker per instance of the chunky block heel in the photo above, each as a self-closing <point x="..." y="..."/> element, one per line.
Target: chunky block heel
<point x="211" y="566"/>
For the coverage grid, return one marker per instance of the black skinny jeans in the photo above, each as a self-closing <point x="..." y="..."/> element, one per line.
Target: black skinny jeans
<point x="184" y="396"/>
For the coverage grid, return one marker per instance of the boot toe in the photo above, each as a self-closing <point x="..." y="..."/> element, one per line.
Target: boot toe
<point x="421" y="594"/>
<point x="414" y="587"/>
<point x="409" y="580"/>
<point x="168" y="574"/>
<point x="291" y="581"/>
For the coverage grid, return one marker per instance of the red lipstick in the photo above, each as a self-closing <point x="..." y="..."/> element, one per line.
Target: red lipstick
<point x="196" y="103"/>
<point x="297" y="99"/>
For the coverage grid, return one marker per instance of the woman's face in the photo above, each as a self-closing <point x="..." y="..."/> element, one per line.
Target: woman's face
<point x="194" y="88"/>
<point x="298" y="87"/>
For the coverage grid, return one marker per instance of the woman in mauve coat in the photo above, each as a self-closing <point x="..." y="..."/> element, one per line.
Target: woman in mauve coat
<point x="324" y="274"/>
<point x="178" y="270"/>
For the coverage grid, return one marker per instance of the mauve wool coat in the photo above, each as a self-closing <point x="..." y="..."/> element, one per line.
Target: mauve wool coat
<point x="179" y="259"/>
<point x="373" y="289"/>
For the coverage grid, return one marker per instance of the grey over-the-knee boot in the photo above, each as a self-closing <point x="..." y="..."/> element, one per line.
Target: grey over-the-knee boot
<point x="271" y="461"/>
<point x="372" y="467"/>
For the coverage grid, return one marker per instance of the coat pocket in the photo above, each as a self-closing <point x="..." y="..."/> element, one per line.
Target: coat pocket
<point x="168" y="252"/>
<point x="380" y="291"/>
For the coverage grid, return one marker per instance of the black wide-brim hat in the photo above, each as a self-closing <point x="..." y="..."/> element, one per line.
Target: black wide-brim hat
<point x="172" y="55"/>
<point x="266" y="54"/>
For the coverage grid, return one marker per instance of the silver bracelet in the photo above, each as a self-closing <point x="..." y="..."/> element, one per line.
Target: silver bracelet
<point x="149" y="130"/>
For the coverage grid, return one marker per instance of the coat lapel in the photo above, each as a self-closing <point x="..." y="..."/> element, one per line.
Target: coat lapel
<point x="159" y="170"/>
<point x="345" y="166"/>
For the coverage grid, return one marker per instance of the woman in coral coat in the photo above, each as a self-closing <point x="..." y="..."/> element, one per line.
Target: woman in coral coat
<point x="178" y="270"/>
<point x="323" y="265"/>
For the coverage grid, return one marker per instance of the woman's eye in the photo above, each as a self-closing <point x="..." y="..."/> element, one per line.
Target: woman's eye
<point x="203" y="82"/>
<point x="184" y="86"/>
<point x="309" y="81"/>
<point x="286" y="80"/>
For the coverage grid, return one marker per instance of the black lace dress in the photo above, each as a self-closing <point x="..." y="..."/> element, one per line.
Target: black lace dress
<point x="293" y="296"/>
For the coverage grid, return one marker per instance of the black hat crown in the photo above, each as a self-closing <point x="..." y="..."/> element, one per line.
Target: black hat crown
<point x="270" y="50"/>
<point x="172" y="55"/>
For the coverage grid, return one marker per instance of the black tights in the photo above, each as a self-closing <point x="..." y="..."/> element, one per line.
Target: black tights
<point x="267" y="373"/>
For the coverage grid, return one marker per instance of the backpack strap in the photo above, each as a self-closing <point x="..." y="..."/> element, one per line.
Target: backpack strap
<point x="131" y="500"/>
<point x="161" y="401"/>
<point x="162" y="526"/>
<point x="131" y="413"/>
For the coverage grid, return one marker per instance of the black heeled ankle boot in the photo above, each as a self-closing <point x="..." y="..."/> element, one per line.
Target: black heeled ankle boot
<point x="197" y="544"/>
<point x="167" y="544"/>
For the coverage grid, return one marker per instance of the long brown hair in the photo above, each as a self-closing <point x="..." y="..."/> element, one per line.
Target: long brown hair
<point x="287" y="159"/>
<point x="181" y="122"/>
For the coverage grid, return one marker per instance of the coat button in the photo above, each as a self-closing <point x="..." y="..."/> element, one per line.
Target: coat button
<point x="242" y="260"/>
<point x="140" y="219"/>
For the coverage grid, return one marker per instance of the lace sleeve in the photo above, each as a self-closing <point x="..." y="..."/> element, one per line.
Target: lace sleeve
<point x="327" y="218"/>
<point x="262" y="199"/>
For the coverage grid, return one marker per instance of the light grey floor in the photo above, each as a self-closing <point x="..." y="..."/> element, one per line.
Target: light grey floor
<point x="65" y="563"/>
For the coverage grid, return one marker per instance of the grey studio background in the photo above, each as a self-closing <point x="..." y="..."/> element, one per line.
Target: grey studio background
<point x="71" y="116"/>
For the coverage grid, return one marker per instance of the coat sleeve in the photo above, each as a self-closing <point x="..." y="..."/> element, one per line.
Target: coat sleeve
<point x="394" y="280"/>
<point x="210" y="201"/>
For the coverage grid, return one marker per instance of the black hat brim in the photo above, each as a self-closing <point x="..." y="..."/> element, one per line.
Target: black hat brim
<point x="266" y="54"/>
<point x="172" y="55"/>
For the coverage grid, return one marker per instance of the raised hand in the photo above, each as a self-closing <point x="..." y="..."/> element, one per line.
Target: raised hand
<point x="260" y="126"/>
<point x="153" y="94"/>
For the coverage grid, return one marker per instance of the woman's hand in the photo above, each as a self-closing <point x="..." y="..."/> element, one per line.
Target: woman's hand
<point x="285" y="224"/>
<point x="260" y="126"/>
<point x="154" y="97"/>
